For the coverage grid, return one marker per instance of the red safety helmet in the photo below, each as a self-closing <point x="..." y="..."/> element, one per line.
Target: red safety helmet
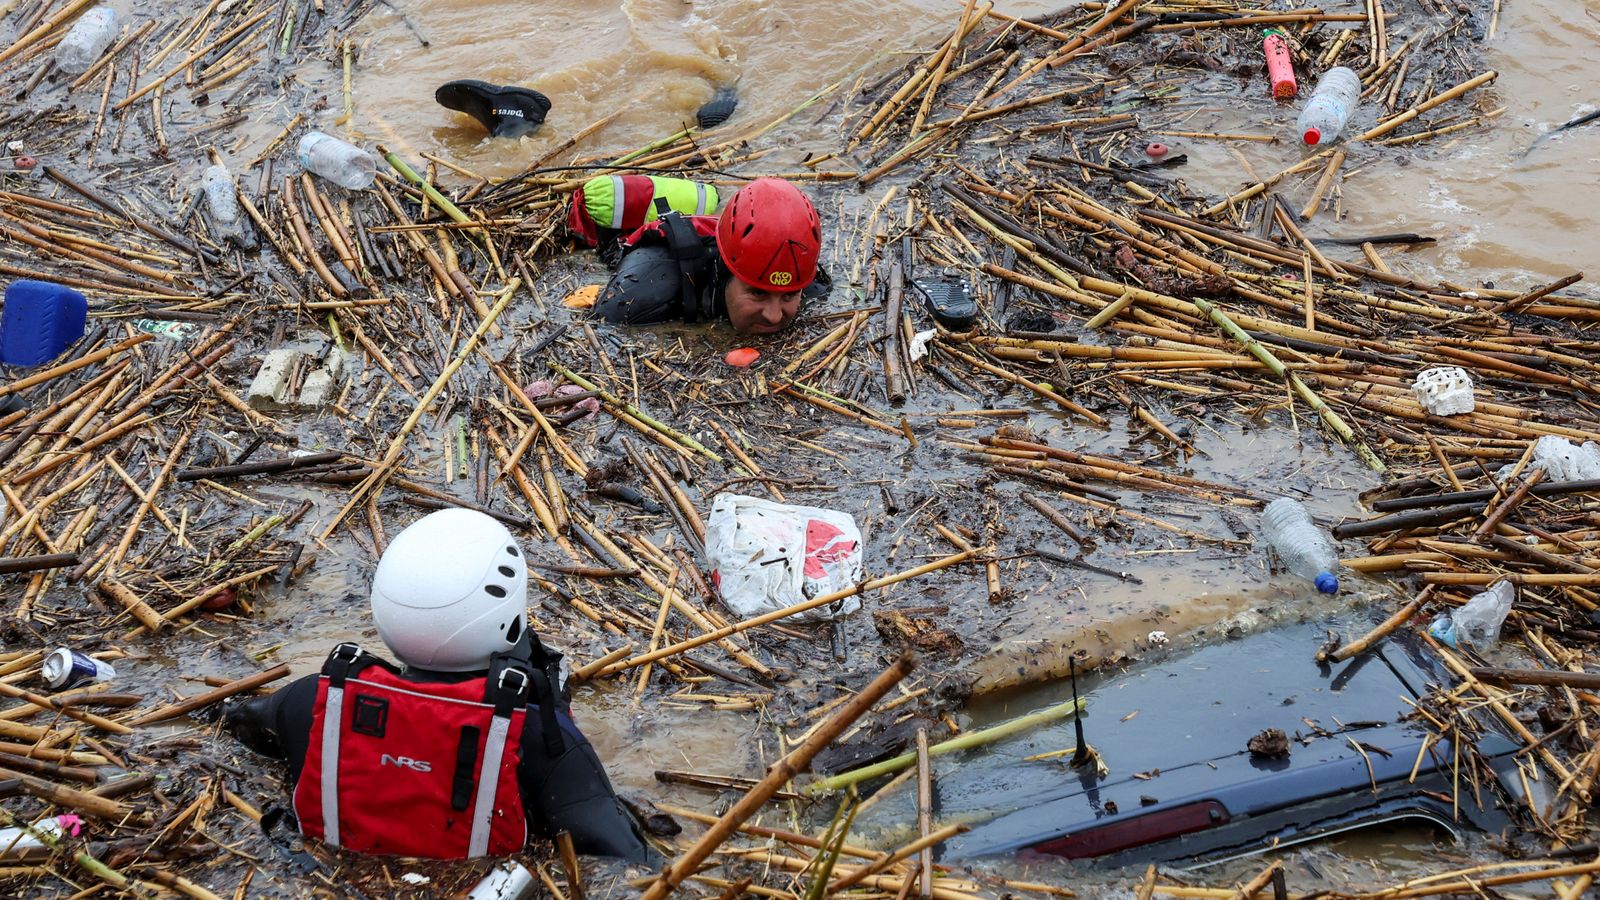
<point x="769" y="236"/>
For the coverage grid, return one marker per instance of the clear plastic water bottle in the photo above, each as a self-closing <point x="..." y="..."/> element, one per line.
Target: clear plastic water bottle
<point x="333" y="159"/>
<point x="1300" y="544"/>
<point x="89" y="37"/>
<point x="1478" y="622"/>
<point x="1330" y="106"/>
<point x="222" y="201"/>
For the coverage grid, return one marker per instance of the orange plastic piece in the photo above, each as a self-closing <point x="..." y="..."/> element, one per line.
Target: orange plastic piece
<point x="582" y="298"/>
<point x="742" y="357"/>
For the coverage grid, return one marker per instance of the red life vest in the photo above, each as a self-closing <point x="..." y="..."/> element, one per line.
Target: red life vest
<point x="404" y="768"/>
<point x="655" y="231"/>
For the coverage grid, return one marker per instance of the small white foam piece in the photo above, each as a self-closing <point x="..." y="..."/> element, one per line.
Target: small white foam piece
<point x="1444" y="390"/>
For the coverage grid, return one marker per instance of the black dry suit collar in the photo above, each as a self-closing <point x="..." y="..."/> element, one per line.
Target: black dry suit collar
<point x="689" y="251"/>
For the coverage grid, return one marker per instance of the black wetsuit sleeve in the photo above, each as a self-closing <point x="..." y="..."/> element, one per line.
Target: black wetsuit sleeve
<point x="646" y="289"/>
<point x="277" y="724"/>
<point x="572" y="793"/>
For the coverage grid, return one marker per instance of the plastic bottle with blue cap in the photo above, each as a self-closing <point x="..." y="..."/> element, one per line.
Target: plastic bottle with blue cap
<point x="1303" y="547"/>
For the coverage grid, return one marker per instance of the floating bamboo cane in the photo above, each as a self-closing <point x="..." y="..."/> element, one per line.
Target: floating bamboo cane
<point x="780" y="773"/>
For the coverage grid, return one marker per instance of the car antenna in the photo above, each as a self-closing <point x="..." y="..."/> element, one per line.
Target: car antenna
<point x="1080" y="753"/>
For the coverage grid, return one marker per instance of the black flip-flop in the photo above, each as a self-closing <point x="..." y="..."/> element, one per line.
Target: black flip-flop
<point x="506" y="111"/>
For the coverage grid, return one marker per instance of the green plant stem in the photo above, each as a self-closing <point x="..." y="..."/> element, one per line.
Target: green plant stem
<point x="439" y="200"/>
<point x="1309" y="396"/>
<point x="964" y="742"/>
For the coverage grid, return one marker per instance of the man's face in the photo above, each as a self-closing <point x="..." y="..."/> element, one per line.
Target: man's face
<point x="755" y="311"/>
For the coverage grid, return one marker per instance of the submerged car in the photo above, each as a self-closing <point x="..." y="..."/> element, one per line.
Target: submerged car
<point x="1182" y="785"/>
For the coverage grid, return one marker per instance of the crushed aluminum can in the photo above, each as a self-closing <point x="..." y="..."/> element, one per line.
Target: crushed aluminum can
<point x="65" y="668"/>
<point x="511" y="881"/>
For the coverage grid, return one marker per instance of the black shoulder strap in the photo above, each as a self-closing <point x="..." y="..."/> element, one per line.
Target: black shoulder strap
<point x="347" y="661"/>
<point x="528" y="673"/>
<point x="688" y="249"/>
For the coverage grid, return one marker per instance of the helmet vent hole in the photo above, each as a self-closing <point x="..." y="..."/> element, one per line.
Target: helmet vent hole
<point x="494" y="590"/>
<point x="507" y="571"/>
<point x="515" y="631"/>
<point x="512" y="551"/>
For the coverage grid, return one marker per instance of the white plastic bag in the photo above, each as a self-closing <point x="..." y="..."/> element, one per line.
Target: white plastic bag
<point x="767" y="556"/>
<point x="1561" y="460"/>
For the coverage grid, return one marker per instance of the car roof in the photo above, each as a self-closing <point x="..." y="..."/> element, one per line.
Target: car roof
<point x="1176" y="730"/>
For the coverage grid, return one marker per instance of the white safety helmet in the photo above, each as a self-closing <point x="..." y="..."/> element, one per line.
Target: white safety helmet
<point x="450" y="590"/>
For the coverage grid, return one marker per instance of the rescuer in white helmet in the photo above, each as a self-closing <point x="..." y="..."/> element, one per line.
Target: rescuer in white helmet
<point x="465" y="747"/>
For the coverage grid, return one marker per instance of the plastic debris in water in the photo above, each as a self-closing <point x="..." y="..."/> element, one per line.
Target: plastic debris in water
<point x="1156" y="150"/>
<point x="582" y="298"/>
<point x="1444" y="390"/>
<point x="742" y="357"/>
<point x="718" y="109"/>
<point x="1280" y="69"/>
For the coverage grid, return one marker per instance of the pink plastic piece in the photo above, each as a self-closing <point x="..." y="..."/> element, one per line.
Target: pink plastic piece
<point x="1280" y="69"/>
<point x="1156" y="151"/>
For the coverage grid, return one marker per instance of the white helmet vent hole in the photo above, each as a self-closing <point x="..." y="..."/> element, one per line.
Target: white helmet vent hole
<point x="494" y="590"/>
<point x="508" y="572"/>
<point x="512" y="551"/>
<point x="515" y="631"/>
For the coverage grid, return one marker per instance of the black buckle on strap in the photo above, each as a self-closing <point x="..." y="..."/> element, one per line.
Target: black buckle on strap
<point x="342" y="662"/>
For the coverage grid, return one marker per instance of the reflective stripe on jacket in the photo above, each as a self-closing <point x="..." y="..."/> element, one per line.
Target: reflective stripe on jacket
<point x="406" y="769"/>
<point x="625" y="202"/>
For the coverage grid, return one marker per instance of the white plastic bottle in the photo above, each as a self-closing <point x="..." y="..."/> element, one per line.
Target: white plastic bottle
<point x="333" y="159"/>
<point x="1330" y="106"/>
<point x="1300" y="544"/>
<point x="22" y="843"/>
<point x="89" y="37"/>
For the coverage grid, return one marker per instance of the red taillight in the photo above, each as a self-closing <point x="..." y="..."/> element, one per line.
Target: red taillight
<point x="1137" y="831"/>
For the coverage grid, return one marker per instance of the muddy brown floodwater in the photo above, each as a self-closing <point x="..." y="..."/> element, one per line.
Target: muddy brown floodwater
<point x="1498" y="215"/>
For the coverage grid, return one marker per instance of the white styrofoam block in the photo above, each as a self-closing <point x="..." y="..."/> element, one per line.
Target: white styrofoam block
<point x="1444" y="390"/>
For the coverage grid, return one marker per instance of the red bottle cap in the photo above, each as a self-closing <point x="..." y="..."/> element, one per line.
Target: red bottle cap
<point x="1312" y="137"/>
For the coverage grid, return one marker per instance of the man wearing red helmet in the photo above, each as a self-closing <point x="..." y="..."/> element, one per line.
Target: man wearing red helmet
<point x="753" y="265"/>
